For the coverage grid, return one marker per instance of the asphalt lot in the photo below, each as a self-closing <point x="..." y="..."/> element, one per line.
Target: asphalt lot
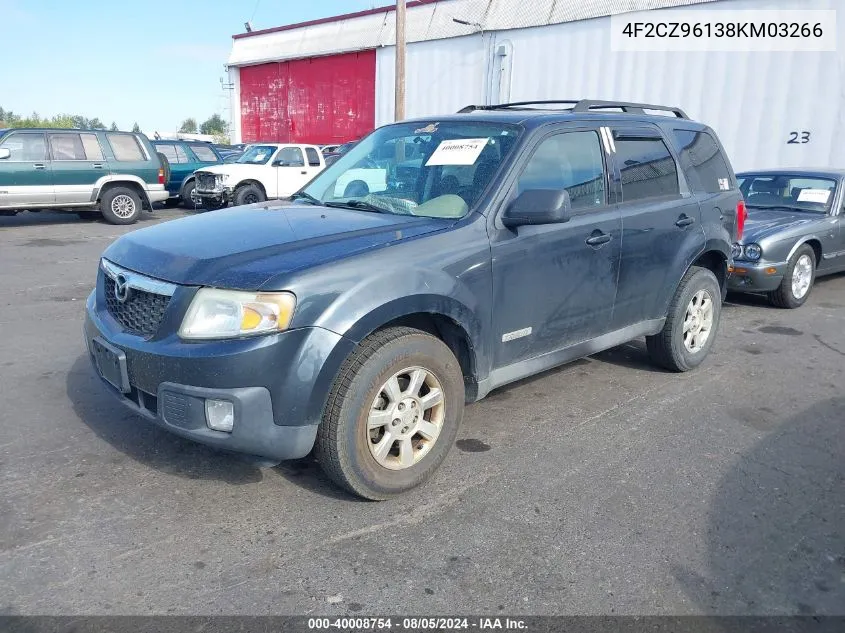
<point x="604" y="487"/>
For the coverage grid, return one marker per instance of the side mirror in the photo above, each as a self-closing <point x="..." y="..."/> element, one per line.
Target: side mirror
<point x="538" y="206"/>
<point x="5" y="153"/>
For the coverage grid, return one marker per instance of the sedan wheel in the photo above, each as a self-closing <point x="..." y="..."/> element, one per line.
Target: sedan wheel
<point x="798" y="280"/>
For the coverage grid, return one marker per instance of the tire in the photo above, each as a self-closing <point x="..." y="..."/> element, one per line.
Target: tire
<point x="345" y="448"/>
<point x="165" y="165"/>
<point x="210" y="204"/>
<point x="187" y="195"/>
<point x="798" y="281"/>
<point x="120" y="205"/>
<point x="676" y="349"/>
<point x="89" y="216"/>
<point x="248" y="194"/>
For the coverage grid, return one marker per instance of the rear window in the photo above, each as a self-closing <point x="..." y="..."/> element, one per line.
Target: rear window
<point x="204" y="153"/>
<point x="93" y="151"/>
<point x="313" y="157"/>
<point x="126" y="147"/>
<point x="703" y="161"/>
<point x="648" y="169"/>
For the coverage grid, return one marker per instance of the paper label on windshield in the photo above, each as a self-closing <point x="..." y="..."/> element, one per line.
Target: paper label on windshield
<point x="814" y="195"/>
<point x="260" y="156"/>
<point x="463" y="151"/>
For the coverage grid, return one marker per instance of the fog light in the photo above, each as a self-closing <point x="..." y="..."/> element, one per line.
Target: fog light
<point x="220" y="415"/>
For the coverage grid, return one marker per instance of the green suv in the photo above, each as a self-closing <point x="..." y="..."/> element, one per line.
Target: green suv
<point x="90" y="172"/>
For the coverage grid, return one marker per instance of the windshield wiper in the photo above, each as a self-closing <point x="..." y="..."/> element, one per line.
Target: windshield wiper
<point x="357" y="205"/>
<point x="301" y="195"/>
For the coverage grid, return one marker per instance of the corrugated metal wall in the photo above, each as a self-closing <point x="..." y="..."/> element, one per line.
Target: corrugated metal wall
<point x="753" y="100"/>
<point x="318" y="100"/>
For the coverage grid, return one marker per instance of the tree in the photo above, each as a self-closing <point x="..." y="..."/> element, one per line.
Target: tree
<point x="189" y="126"/>
<point x="96" y="124"/>
<point x="214" y="125"/>
<point x="114" y="127"/>
<point x="136" y="128"/>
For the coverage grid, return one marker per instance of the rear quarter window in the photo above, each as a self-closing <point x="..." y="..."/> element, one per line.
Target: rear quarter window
<point x="702" y="161"/>
<point x="204" y="154"/>
<point x="126" y="148"/>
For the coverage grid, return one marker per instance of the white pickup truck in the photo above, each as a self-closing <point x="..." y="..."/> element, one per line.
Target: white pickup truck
<point x="264" y="171"/>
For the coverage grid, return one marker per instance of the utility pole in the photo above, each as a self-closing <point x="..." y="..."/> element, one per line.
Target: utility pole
<point x="400" y="60"/>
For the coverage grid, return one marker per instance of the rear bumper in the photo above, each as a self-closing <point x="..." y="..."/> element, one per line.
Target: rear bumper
<point x="757" y="277"/>
<point x="158" y="195"/>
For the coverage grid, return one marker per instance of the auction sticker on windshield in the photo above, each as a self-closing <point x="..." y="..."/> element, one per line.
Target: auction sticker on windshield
<point x="814" y="195"/>
<point x="464" y="151"/>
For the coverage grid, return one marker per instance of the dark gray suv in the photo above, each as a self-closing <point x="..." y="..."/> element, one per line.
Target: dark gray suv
<point x="435" y="261"/>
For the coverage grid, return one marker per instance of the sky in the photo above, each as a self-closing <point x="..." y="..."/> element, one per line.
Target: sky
<point x="154" y="62"/>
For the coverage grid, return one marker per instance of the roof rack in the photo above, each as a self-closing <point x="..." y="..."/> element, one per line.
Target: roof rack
<point x="583" y="105"/>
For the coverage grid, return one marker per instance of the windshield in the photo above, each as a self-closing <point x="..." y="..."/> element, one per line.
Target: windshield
<point x="431" y="170"/>
<point x="802" y="193"/>
<point x="257" y="154"/>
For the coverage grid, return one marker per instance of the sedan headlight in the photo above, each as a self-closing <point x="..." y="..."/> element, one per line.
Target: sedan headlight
<point x="736" y="251"/>
<point x="215" y="314"/>
<point x="753" y="252"/>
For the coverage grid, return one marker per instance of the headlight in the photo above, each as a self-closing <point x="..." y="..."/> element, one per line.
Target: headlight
<point x="753" y="252"/>
<point x="217" y="313"/>
<point x="736" y="251"/>
<point x="223" y="178"/>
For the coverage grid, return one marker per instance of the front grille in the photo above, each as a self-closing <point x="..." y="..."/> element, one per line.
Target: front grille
<point x="206" y="182"/>
<point x="141" y="313"/>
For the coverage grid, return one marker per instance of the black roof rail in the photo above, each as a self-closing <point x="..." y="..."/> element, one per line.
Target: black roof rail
<point x="583" y="105"/>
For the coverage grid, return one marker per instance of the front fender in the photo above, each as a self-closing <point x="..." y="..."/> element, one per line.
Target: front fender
<point x="379" y="299"/>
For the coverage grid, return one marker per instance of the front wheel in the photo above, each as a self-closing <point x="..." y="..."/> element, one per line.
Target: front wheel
<point x="188" y="195"/>
<point x="248" y="194"/>
<point x="120" y="205"/>
<point x="691" y="323"/>
<point x="392" y="414"/>
<point x="800" y="274"/>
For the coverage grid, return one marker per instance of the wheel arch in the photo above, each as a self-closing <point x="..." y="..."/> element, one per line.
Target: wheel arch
<point x="814" y="243"/>
<point x="136" y="185"/>
<point x="251" y="181"/>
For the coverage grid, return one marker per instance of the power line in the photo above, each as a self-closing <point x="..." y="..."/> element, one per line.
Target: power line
<point x="255" y="10"/>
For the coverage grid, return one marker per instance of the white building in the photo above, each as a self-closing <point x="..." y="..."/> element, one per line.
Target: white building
<point x="333" y="79"/>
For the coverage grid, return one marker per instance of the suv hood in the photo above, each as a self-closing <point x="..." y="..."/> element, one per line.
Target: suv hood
<point x="763" y="223"/>
<point x="245" y="247"/>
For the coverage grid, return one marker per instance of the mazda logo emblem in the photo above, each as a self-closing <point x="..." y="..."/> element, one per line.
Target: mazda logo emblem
<point x="121" y="288"/>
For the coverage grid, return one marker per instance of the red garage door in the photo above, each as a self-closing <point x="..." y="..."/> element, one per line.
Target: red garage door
<point x="318" y="100"/>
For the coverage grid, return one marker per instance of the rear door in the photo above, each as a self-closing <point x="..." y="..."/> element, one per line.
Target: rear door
<point x="661" y="222"/>
<point x="25" y="177"/>
<point x="77" y="163"/>
<point x="291" y="170"/>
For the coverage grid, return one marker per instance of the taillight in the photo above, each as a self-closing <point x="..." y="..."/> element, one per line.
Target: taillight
<point x="161" y="176"/>
<point x="741" y="214"/>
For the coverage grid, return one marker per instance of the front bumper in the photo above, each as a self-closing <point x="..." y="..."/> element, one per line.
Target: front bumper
<point x="755" y="277"/>
<point x="277" y="383"/>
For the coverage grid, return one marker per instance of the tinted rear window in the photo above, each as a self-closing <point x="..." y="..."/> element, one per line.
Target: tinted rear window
<point x="648" y="169"/>
<point x="126" y="147"/>
<point x="703" y="161"/>
<point x="313" y="158"/>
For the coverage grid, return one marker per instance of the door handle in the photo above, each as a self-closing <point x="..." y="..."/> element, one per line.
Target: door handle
<point x="304" y="173"/>
<point x="598" y="239"/>
<point x="684" y="221"/>
<point x="97" y="165"/>
<point x="40" y="166"/>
